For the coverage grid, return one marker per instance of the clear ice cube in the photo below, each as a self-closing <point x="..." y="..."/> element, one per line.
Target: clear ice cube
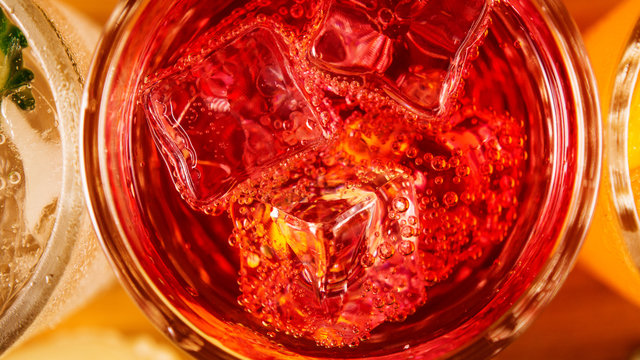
<point x="417" y="50"/>
<point x="222" y="120"/>
<point x="334" y="265"/>
<point x="350" y="43"/>
<point x="326" y="232"/>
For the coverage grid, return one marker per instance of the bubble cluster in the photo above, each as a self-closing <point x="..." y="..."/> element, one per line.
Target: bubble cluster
<point x="466" y="183"/>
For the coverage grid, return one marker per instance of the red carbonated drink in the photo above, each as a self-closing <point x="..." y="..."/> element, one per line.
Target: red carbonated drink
<point x="346" y="178"/>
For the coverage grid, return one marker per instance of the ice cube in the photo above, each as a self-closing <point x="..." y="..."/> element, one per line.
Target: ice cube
<point x="416" y="50"/>
<point x="326" y="232"/>
<point x="351" y="43"/>
<point x="222" y="120"/>
<point x="334" y="264"/>
<point x="41" y="159"/>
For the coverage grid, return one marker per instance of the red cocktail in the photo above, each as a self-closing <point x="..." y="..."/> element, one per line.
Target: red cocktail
<point x="342" y="179"/>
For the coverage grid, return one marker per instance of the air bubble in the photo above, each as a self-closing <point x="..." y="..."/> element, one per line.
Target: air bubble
<point x="14" y="177"/>
<point x="385" y="250"/>
<point x="454" y="161"/>
<point x="367" y="260"/>
<point x="450" y="198"/>
<point x="439" y="163"/>
<point x="407" y="231"/>
<point x="406" y="247"/>
<point x="463" y="170"/>
<point x="400" y="204"/>
<point x="297" y="11"/>
<point x="487" y="169"/>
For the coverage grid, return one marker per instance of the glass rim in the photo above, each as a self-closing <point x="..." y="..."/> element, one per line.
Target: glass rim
<point x="624" y="89"/>
<point x="490" y="340"/>
<point x="59" y="66"/>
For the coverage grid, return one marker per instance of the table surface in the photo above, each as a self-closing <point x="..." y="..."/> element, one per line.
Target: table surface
<point x="585" y="321"/>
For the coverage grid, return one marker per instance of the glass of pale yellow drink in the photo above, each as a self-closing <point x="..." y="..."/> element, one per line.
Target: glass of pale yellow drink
<point x="50" y="262"/>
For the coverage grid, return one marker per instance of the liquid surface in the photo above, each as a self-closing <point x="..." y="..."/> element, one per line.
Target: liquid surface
<point x="30" y="181"/>
<point x="339" y="173"/>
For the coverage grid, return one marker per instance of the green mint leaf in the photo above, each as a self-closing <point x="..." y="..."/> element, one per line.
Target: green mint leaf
<point x="15" y="80"/>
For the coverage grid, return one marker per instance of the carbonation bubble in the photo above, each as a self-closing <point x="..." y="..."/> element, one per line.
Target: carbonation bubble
<point x="14" y="177"/>
<point x="439" y="163"/>
<point x="367" y="260"/>
<point x="406" y="247"/>
<point x="385" y="250"/>
<point x="400" y="204"/>
<point x="450" y="198"/>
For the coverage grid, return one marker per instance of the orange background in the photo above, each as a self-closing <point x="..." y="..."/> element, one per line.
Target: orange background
<point x="585" y="321"/>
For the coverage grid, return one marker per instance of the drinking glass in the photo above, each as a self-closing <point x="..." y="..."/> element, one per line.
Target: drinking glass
<point x="611" y="250"/>
<point x="198" y="177"/>
<point x="50" y="260"/>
